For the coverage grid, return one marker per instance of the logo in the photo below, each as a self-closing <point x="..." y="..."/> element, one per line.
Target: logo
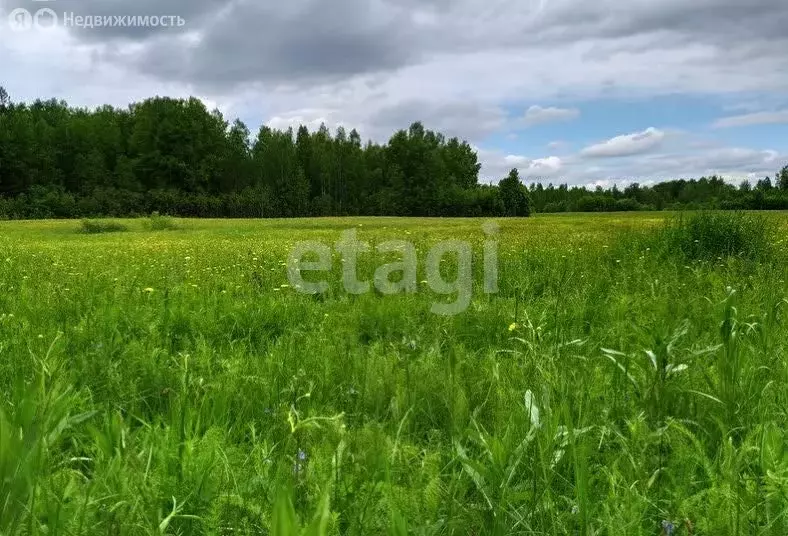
<point x="21" y="20"/>
<point x="447" y="256"/>
<point x="45" y="18"/>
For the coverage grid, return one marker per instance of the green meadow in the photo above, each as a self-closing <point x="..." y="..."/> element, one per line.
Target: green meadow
<point x="630" y="377"/>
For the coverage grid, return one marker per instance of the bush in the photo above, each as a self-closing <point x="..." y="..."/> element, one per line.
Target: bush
<point x="713" y="235"/>
<point x="102" y="226"/>
<point x="157" y="222"/>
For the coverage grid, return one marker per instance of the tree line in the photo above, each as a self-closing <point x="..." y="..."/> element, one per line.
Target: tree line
<point x="174" y="156"/>
<point x="693" y="194"/>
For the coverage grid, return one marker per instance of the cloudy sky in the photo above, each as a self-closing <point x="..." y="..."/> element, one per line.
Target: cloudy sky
<point x="578" y="91"/>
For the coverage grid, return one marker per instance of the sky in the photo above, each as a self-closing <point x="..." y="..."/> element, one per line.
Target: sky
<point x="576" y="91"/>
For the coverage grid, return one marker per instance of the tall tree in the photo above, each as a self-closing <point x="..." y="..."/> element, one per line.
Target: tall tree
<point x="5" y="100"/>
<point x="514" y="196"/>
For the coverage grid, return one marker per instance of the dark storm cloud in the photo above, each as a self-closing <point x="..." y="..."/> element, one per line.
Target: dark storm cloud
<point x="304" y="41"/>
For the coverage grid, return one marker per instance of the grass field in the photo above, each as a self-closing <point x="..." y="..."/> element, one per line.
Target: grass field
<point x="163" y="377"/>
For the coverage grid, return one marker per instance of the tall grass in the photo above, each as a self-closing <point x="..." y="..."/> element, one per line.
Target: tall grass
<point x="714" y="235"/>
<point x="179" y="387"/>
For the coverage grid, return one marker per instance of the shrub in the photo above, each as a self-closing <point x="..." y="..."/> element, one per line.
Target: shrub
<point x="157" y="222"/>
<point x="102" y="226"/>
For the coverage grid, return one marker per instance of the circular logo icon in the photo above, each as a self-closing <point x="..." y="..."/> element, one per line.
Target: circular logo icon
<point x="20" y="20"/>
<point x="45" y="19"/>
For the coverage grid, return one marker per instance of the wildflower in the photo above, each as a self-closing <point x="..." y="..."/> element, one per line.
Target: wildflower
<point x="668" y="528"/>
<point x="298" y="467"/>
<point x="513" y="326"/>
<point x="148" y="290"/>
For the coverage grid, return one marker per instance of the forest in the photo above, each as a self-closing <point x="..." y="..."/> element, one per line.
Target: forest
<point x="174" y="156"/>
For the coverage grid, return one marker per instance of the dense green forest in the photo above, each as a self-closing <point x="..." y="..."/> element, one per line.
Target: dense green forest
<point x="177" y="157"/>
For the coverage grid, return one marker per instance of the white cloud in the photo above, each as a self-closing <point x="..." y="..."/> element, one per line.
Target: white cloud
<point x="674" y="162"/>
<point x="311" y="118"/>
<point x="549" y="166"/>
<point x="756" y="118"/>
<point x="626" y="145"/>
<point x="496" y="165"/>
<point x="536" y="115"/>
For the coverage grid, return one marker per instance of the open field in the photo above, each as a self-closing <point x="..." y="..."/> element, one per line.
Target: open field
<point x="172" y="381"/>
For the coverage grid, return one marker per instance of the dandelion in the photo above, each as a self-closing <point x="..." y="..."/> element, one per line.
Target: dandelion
<point x="513" y="326"/>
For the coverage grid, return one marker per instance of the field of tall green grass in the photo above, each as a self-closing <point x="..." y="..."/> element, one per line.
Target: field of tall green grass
<point x="162" y="376"/>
